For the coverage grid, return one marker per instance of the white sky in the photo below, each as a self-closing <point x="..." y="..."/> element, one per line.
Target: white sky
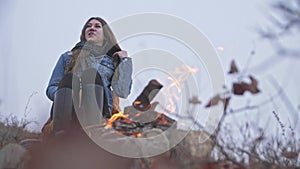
<point x="34" y="33"/>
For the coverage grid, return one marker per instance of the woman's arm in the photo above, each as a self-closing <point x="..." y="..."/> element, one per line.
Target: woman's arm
<point x="57" y="75"/>
<point x="122" y="80"/>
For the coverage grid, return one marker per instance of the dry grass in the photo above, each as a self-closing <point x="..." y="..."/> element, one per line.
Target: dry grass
<point x="13" y="130"/>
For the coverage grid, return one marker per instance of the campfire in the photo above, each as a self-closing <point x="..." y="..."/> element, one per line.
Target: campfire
<point x="141" y="115"/>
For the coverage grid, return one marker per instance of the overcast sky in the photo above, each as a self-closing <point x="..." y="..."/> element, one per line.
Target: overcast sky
<point x="34" y="33"/>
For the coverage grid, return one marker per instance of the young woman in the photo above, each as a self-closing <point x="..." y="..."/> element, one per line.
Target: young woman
<point x="85" y="79"/>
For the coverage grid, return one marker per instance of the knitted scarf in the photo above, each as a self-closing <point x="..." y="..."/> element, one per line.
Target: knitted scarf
<point x="94" y="49"/>
<point x="90" y="55"/>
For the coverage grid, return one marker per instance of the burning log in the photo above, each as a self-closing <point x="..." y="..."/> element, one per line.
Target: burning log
<point x="127" y="127"/>
<point x="134" y="122"/>
<point x="142" y="102"/>
<point x="141" y="115"/>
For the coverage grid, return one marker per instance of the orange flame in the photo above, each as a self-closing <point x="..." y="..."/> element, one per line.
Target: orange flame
<point x="114" y="118"/>
<point x="138" y="134"/>
<point x="137" y="102"/>
<point x="182" y="73"/>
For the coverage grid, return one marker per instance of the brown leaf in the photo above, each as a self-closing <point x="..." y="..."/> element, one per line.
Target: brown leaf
<point x="239" y="88"/>
<point x="233" y="68"/>
<point x="242" y="87"/>
<point x="213" y="101"/>
<point x="253" y="80"/>
<point x="194" y="100"/>
<point x="216" y="99"/>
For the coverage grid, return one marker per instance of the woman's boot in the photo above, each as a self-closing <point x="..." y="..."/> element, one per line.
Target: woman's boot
<point x="66" y="97"/>
<point x="62" y="110"/>
<point x="92" y="103"/>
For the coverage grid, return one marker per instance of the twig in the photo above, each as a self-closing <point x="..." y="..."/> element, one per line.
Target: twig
<point x="280" y="123"/>
<point x="285" y="99"/>
<point x="27" y="104"/>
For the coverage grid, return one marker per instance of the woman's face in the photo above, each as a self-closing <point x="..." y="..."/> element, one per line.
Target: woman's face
<point x="94" y="32"/>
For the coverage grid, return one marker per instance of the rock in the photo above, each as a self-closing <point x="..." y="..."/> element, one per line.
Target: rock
<point x="29" y="143"/>
<point x="12" y="156"/>
<point x="195" y="147"/>
<point x="188" y="149"/>
<point x="155" y="142"/>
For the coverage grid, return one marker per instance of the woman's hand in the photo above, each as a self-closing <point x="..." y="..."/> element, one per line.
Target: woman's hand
<point x="121" y="54"/>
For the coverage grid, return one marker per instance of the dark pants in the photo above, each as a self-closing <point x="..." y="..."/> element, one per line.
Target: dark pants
<point x="89" y="76"/>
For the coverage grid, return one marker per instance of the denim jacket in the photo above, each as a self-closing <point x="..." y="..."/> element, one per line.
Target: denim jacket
<point x="119" y="79"/>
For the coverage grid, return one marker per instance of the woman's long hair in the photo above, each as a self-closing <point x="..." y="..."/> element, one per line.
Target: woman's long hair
<point x="109" y="37"/>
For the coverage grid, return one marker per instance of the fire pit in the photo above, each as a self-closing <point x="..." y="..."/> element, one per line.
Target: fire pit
<point x="138" y="130"/>
<point x="139" y="117"/>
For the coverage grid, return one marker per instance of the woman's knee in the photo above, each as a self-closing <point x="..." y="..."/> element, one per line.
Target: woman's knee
<point x="68" y="81"/>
